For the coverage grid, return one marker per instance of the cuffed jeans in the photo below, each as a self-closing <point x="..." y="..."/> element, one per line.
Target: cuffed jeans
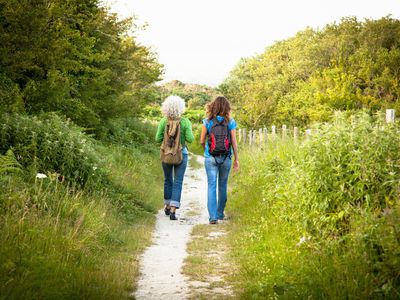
<point x="217" y="174"/>
<point x="173" y="180"/>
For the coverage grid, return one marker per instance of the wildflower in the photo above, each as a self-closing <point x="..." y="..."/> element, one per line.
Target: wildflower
<point x="41" y="175"/>
<point x="94" y="168"/>
<point x="303" y="240"/>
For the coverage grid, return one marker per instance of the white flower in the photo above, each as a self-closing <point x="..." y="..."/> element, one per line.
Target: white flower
<point x="94" y="168"/>
<point x="41" y="175"/>
<point x="303" y="239"/>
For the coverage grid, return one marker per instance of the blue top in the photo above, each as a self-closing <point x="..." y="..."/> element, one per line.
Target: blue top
<point x="209" y="123"/>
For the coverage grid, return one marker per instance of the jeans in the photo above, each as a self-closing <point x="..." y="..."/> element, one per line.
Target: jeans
<point x="173" y="180"/>
<point x="217" y="172"/>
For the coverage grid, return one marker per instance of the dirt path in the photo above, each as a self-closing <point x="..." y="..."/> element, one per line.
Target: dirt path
<point x="161" y="264"/>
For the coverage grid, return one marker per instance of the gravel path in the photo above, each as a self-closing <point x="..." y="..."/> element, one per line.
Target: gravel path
<point x="161" y="263"/>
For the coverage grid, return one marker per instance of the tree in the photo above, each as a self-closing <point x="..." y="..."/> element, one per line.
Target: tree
<point x="76" y="58"/>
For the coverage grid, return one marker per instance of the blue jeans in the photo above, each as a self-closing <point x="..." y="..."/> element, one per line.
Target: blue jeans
<point x="173" y="180"/>
<point x="217" y="172"/>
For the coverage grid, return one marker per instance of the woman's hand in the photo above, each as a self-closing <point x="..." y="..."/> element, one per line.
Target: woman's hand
<point x="236" y="165"/>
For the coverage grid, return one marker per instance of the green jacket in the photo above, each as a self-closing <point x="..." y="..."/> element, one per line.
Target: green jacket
<point x="186" y="131"/>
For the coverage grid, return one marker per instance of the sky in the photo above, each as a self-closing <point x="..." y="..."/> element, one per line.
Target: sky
<point x="200" y="41"/>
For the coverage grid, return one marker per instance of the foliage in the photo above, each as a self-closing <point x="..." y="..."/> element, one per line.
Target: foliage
<point x="195" y="95"/>
<point x="195" y="116"/>
<point x="153" y="112"/>
<point x="61" y="244"/>
<point x="319" y="219"/>
<point x="130" y="132"/>
<point x="73" y="57"/>
<point x="59" y="241"/>
<point x="303" y="79"/>
<point x="8" y="163"/>
<point x="49" y="144"/>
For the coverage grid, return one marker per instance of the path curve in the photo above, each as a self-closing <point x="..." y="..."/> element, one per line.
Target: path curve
<point x="161" y="263"/>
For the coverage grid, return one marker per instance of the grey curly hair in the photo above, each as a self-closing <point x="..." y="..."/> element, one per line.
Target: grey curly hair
<point x="173" y="107"/>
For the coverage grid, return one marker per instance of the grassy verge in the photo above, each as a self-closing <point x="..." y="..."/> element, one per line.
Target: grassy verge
<point x="62" y="242"/>
<point x="207" y="264"/>
<point x="193" y="162"/>
<point x="317" y="220"/>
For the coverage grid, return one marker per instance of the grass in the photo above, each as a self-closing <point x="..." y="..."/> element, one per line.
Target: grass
<point x="59" y="242"/>
<point x="193" y="162"/>
<point x="207" y="264"/>
<point x="314" y="220"/>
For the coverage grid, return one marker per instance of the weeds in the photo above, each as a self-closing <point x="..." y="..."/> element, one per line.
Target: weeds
<point x="64" y="240"/>
<point x="319" y="219"/>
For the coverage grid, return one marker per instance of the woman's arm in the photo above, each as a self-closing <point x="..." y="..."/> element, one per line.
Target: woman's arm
<point x="160" y="130"/>
<point x="189" y="137"/>
<point x="235" y="150"/>
<point x="203" y="136"/>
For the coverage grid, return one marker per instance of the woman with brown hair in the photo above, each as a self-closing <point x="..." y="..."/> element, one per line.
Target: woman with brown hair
<point x="220" y="131"/>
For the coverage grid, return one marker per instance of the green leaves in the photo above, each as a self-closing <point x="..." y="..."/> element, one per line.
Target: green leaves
<point x="49" y="144"/>
<point x="8" y="163"/>
<point x="304" y="79"/>
<point x="72" y="57"/>
<point x="319" y="218"/>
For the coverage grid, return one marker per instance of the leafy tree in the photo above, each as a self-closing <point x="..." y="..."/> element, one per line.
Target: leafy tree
<point x="345" y="66"/>
<point x="76" y="58"/>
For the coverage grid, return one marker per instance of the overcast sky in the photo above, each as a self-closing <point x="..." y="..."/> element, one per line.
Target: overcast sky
<point x="200" y="41"/>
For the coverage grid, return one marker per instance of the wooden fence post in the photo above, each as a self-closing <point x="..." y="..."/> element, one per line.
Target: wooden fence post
<point x="296" y="133"/>
<point x="308" y="134"/>
<point x="284" y="131"/>
<point x="390" y="115"/>
<point x="250" y="137"/>
<point x="260" y="136"/>
<point x="273" y="130"/>
<point x="254" y="137"/>
<point x="265" y="133"/>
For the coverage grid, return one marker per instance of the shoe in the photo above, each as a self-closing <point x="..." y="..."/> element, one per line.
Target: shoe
<point x="172" y="216"/>
<point x="167" y="211"/>
<point x="213" y="222"/>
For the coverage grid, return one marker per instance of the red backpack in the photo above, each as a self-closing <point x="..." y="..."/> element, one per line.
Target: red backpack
<point x="219" y="138"/>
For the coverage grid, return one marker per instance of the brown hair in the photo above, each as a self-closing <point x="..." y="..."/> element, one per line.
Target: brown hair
<point x="220" y="106"/>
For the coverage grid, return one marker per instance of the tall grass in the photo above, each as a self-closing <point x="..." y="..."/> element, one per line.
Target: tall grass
<point x="62" y="240"/>
<point x="320" y="219"/>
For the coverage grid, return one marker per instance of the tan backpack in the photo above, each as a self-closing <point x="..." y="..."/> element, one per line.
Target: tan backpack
<point x="171" y="148"/>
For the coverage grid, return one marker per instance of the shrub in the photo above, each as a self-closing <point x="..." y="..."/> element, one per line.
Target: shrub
<point x="51" y="144"/>
<point x="195" y="115"/>
<point x="130" y="132"/>
<point x="352" y="162"/>
<point x="320" y="219"/>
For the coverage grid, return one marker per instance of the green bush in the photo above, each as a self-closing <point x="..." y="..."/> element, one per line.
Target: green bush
<point x="195" y="115"/>
<point x="319" y="219"/>
<point x="58" y="242"/>
<point x="62" y="241"/>
<point x="10" y="96"/>
<point x="352" y="162"/>
<point x="130" y="132"/>
<point x="50" y="144"/>
<point x="152" y="112"/>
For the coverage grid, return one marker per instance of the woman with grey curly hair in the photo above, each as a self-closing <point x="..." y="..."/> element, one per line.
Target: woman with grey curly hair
<point x="172" y="108"/>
